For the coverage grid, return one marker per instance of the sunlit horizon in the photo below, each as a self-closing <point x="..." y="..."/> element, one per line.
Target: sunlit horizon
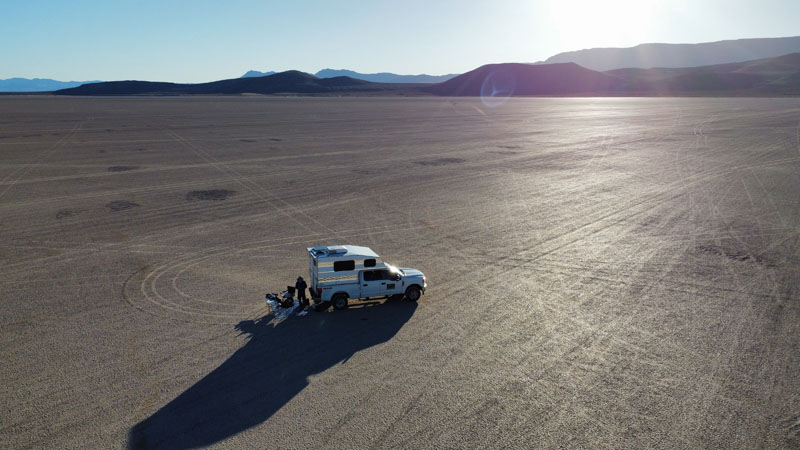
<point x="165" y="41"/>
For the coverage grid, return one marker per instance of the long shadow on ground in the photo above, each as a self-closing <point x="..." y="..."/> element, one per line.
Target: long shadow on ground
<point x="266" y="373"/>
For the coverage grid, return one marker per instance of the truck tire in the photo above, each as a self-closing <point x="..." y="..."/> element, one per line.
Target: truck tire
<point x="413" y="293"/>
<point x="339" y="301"/>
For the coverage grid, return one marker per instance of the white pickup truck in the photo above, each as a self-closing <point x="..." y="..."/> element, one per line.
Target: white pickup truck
<point x="339" y="273"/>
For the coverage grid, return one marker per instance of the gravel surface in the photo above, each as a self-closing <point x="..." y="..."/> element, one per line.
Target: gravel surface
<point x="602" y="273"/>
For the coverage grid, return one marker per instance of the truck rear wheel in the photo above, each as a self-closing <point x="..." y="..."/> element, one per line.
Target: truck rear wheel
<point x="339" y="301"/>
<point x="413" y="293"/>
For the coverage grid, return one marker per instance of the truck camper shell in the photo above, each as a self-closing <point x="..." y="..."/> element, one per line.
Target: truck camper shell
<point x="340" y="264"/>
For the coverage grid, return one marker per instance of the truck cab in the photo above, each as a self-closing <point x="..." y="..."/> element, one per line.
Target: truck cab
<point x="341" y="273"/>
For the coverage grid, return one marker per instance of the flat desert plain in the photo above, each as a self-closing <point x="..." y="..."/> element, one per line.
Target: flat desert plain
<point x="602" y="273"/>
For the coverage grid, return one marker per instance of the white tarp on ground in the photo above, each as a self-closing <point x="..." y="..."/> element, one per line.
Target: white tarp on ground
<point x="281" y="312"/>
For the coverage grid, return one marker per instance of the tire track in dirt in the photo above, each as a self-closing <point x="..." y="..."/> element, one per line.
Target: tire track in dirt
<point x="149" y="291"/>
<point x="16" y="175"/>
<point x="701" y="177"/>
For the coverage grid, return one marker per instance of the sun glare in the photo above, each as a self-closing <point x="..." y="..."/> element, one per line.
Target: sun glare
<point x="586" y="23"/>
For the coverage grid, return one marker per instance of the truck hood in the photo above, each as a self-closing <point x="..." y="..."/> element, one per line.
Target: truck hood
<point x="412" y="272"/>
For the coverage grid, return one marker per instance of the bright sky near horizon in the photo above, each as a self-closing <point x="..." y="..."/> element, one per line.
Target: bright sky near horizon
<point x="204" y="40"/>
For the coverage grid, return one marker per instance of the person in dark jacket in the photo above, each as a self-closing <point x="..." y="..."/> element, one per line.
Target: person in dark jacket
<point x="301" y="286"/>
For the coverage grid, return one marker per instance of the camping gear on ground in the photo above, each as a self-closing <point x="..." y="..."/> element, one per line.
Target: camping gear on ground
<point x="285" y="300"/>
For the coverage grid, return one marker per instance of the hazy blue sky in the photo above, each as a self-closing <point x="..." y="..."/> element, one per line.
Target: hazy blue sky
<point x="203" y="40"/>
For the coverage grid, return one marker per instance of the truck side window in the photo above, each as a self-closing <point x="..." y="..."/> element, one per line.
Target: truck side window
<point x="382" y="275"/>
<point x="369" y="262"/>
<point x="340" y="266"/>
<point x="369" y="275"/>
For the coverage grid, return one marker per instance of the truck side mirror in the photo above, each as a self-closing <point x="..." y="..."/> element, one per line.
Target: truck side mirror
<point x="396" y="277"/>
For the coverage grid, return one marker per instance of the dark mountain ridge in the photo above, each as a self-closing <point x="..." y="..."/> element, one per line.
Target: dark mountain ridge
<point x="382" y="77"/>
<point x="764" y="77"/>
<point x="769" y="76"/>
<point x="654" y="55"/>
<point x="385" y="77"/>
<point x="526" y="79"/>
<point x="289" y="82"/>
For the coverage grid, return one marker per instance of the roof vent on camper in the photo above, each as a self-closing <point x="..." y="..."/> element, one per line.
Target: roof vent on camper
<point x="337" y="250"/>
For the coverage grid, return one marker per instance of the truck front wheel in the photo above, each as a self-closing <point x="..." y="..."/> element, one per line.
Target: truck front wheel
<point x="413" y="293"/>
<point x="339" y="301"/>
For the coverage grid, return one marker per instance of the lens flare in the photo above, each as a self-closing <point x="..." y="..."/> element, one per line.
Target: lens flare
<point x="498" y="87"/>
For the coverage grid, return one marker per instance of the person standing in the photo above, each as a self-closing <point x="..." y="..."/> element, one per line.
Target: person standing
<point x="300" y="286"/>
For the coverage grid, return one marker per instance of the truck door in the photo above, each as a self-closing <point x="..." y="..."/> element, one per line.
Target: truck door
<point x="374" y="283"/>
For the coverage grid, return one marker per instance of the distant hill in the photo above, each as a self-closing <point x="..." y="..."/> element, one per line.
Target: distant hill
<point x="679" y="55"/>
<point x="769" y="76"/>
<point x="290" y="82"/>
<point x="526" y="79"/>
<point x="37" y="84"/>
<point x="255" y="73"/>
<point x="383" y="77"/>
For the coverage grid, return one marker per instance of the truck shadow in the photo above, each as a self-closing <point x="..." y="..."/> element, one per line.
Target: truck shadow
<point x="267" y="372"/>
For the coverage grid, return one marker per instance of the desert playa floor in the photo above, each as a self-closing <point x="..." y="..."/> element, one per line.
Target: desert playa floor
<point x="602" y="272"/>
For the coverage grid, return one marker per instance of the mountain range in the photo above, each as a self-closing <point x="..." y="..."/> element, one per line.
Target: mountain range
<point x="289" y="82"/>
<point x="37" y="84"/>
<point x="504" y="80"/>
<point x="383" y="77"/>
<point x="679" y="55"/>
<point x="769" y="76"/>
<point x="47" y="85"/>
<point x="763" y="77"/>
<point x="734" y="67"/>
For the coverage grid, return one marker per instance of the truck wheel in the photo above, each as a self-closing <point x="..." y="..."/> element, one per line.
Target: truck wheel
<point x="340" y="301"/>
<point x="413" y="293"/>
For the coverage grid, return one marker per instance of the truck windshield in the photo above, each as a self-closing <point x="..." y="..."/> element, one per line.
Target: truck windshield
<point x="394" y="269"/>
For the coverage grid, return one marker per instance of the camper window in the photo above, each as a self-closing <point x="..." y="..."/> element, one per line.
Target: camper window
<point x="340" y="266"/>
<point x="369" y="262"/>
